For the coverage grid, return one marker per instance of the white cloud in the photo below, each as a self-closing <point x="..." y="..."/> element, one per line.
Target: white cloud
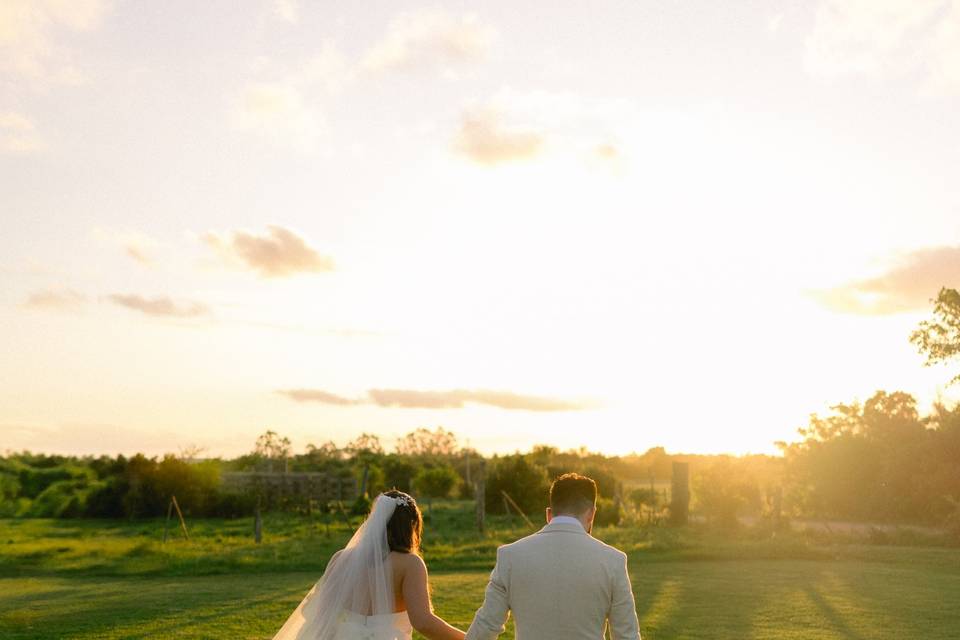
<point x="278" y="113"/>
<point x="284" y="106"/>
<point x="429" y="39"/>
<point x="887" y="37"/>
<point x="29" y="37"/>
<point x="287" y="10"/>
<point x="55" y="300"/>
<point x="910" y="284"/>
<point x="278" y="253"/>
<point x="486" y="137"/>
<point x="513" y="126"/>
<point x="15" y="122"/>
<point x="328" y="70"/>
<point x="160" y="306"/>
<point x="18" y="133"/>
<point x="452" y="399"/>
<point x="136" y="245"/>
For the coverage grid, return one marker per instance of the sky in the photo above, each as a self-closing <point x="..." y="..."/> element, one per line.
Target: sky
<point x="615" y="225"/>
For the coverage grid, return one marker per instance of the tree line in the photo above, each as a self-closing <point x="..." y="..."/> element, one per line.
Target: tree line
<point x="878" y="460"/>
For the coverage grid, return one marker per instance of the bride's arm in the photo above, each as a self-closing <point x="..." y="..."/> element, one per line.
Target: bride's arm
<point x="416" y="593"/>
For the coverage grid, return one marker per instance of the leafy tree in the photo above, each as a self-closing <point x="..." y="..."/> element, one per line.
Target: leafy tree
<point x="271" y="447"/>
<point x="424" y="443"/>
<point x="326" y="451"/>
<point x="398" y="473"/>
<point x="643" y="497"/>
<point x="722" y="491"/>
<point x="366" y="444"/>
<point x="939" y="338"/>
<point x="436" y="482"/>
<point x="864" y="461"/>
<point x="524" y="481"/>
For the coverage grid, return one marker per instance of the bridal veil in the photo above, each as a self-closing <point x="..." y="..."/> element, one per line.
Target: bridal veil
<point x="358" y="580"/>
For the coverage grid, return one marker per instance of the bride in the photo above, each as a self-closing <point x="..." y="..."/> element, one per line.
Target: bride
<point x="376" y="587"/>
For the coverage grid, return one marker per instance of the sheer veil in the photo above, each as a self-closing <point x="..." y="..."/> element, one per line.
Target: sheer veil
<point x="358" y="579"/>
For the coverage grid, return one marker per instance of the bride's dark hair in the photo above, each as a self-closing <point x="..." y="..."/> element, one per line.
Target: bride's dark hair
<point x="405" y="528"/>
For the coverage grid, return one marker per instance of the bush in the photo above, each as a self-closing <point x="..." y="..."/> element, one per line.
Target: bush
<point x="522" y="480"/>
<point x="62" y="499"/>
<point x="436" y="482"/>
<point x="609" y="513"/>
<point x="722" y="491"/>
<point x="398" y="473"/>
<point x="234" y="505"/>
<point x="105" y="499"/>
<point x="361" y="506"/>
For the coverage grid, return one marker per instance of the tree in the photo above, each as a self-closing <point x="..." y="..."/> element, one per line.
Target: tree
<point x="436" y="482"/>
<point x="524" y="481"/>
<point x="869" y="461"/>
<point x="643" y="497"/>
<point x="271" y="447"/>
<point x="939" y="338"/>
<point x="398" y="472"/>
<point x="326" y="451"/>
<point x="365" y="446"/>
<point x="722" y="490"/>
<point x="424" y="443"/>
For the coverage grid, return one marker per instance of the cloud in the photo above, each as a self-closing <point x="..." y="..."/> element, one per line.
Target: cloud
<point x="328" y="70"/>
<point x="887" y="37"/>
<point x="486" y="138"/>
<point x="316" y="395"/>
<point x="429" y="39"/>
<point x="161" y="306"/>
<point x="88" y="439"/>
<point x="278" y="113"/>
<point x="514" y="126"/>
<point x="287" y="10"/>
<point x="137" y="246"/>
<point x="455" y="399"/>
<point x="30" y="32"/>
<point x="909" y="286"/>
<point x="458" y="398"/>
<point x="279" y="253"/>
<point x="55" y="300"/>
<point x="18" y="133"/>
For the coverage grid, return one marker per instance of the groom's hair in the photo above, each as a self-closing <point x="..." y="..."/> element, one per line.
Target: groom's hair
<point x="572" y="494"/>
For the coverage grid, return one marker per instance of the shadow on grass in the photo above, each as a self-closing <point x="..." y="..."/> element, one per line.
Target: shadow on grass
<point x="829" y="613"/>
<point x="137" y="607"/>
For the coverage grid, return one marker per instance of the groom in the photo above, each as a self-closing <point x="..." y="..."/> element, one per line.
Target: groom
<point x="561" y="583"/>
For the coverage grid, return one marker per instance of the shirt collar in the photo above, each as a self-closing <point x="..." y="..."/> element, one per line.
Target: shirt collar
<point x="566" y="520"/>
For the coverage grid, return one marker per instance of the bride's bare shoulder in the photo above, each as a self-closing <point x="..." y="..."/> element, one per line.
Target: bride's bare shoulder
<point x="407" y="562"/>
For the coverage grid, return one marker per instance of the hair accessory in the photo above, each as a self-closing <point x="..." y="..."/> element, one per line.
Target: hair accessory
<point x="402" y="501"/>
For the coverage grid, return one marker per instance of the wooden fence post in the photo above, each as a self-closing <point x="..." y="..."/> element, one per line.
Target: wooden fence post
<point x="680" y="494"/>
<point x="481" y="505"/>
<point x="257" y="523"/>
<point x="166" y="523"/>
<point x="507" y="498"/>
<point x="183" y="524"/>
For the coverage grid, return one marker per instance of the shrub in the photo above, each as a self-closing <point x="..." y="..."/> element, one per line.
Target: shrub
<point x="436" y="482"/>
<point x="609" y="513"/>
<point x="524" y="481"/>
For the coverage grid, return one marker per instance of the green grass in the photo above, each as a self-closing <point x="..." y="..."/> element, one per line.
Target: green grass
<point x="87" y="579"/>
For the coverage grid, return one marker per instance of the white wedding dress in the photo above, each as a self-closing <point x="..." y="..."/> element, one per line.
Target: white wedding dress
<point x="354" y="598"/>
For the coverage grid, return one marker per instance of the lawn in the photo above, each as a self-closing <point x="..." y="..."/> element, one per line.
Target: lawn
<point x="69" y="579"/>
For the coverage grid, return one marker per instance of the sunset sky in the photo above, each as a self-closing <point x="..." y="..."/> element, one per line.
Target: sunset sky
<point x="609" y="224"/>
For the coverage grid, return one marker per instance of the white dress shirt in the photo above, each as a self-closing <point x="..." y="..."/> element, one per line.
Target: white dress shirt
<point x="566" y="520"/>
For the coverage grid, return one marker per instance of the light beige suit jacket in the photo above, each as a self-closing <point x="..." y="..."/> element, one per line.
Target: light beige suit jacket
<point x="560" y="584"/>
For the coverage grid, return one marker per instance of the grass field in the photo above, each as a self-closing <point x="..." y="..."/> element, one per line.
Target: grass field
<point x="69" y="579"/>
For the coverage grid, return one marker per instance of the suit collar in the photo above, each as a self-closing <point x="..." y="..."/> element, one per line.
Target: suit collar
<point x="563" y="527"/>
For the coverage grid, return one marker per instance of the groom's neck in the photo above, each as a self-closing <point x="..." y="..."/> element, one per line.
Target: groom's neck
<point x="583" y="518"/>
